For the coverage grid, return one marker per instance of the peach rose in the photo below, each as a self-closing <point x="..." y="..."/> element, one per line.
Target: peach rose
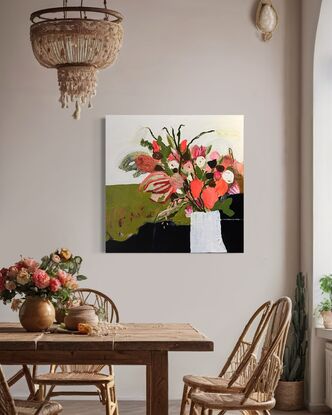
<point x="71" y="283"/>
<point x="62" y="276"/>
<point x="23" y="277"/>
<point x="30" y="264"/>
<point x="41" y="279"/>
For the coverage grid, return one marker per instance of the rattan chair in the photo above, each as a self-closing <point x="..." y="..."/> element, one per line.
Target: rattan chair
<point x="258" y="395"/>
<point x="9" y="406"/>
<point x="239" y="365"/>
<point x="79" y="375"/>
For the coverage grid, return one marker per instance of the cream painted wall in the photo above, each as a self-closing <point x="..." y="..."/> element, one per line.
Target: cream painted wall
<point x="188" y="57"/>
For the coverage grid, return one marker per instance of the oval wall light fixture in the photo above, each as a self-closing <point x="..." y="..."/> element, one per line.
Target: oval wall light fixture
<point x="78" y="41"/>
<point x="266" y="19"/>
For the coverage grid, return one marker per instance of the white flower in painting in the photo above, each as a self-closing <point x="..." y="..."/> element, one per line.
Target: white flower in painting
<point x="228" y="176"/>
<point x="201" y="162"/>
<point x="173" y="164"/>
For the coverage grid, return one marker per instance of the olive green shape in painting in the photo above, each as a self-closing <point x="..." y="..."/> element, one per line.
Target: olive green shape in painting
<point x="127" y="209"/>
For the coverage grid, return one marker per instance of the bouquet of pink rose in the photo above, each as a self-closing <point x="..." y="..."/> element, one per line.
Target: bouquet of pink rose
<point x="54" y="278"/>
<point x="181" y="174"/>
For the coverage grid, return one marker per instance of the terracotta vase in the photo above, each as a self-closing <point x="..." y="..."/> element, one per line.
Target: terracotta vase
<point x="289" y="396"/>
<point x="81" y="314"/>
<point x="37" y="314"/>
<point x="327" y="319"/>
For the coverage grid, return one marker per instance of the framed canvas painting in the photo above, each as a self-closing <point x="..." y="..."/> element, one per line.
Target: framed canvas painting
<point x="174" y="183"/>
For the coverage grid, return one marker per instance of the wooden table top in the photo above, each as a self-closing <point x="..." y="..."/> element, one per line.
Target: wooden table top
<point x="131" y="336"/>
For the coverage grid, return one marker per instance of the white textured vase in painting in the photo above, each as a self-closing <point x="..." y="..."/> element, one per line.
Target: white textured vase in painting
<point x="205" y="232"/>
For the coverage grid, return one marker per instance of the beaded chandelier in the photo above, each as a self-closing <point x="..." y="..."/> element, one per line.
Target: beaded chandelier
<point x="77" y="41"/>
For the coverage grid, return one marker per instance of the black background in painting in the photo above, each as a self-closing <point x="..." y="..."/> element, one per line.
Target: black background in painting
<point x="166" y="237"/>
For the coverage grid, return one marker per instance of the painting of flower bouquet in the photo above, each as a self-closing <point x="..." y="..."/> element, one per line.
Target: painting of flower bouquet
<point x="174" y="184"/>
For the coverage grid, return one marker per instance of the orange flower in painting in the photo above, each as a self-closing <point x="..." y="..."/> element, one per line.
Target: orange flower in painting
<point x="196" y="187"/>
<point x="210" y="197"/>
<point x="221" y="187"/>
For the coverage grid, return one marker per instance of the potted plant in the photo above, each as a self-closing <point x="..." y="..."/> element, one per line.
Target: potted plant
<point x="290" y="391"/>
<point x="325" y="307"/>
<point x="40" y="286"/>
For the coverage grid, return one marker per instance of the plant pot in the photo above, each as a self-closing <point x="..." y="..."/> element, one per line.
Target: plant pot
<point x="327" y="319"/>
<point x="205" y="232"/>
<point x="37" y="314"/>
<point x="82" y="314"/>
<point x="289" y="396"/>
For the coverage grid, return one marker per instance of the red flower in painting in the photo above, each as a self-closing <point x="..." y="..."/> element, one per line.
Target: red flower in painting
<point x="196" y="187"/>
<point x="198" y="151"/>
<point x="210" y="197"/>
<point x="155" y="146"/>
<point x="145" y="163"/>
<point x="221" y="187"/>
<point x="183" y="146"/>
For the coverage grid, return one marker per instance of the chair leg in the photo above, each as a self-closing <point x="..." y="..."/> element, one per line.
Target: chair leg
<point x="110" y="405"/>
<point x="184" y="399"/>
<point x="41" y="392"/>
<point x="114" y="399"/>
<point x="192" y="409"/>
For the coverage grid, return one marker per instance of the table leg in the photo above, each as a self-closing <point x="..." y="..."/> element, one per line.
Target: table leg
<point x="157" y="384"/>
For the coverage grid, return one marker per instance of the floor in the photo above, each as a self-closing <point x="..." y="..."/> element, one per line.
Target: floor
<point x="129" y="408"/>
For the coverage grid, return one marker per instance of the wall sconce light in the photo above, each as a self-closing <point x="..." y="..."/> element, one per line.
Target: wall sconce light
<point x="266" y="19"/>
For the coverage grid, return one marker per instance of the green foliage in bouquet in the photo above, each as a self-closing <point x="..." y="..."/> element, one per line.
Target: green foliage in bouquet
<point x="296" y="350"/>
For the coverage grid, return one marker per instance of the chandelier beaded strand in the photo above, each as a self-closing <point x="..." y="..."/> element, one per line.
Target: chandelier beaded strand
<point x="78" y="44"/>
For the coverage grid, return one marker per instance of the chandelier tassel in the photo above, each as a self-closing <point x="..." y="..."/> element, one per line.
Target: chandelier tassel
<point x="77" y="46"/>
<point x="77" y="113"/>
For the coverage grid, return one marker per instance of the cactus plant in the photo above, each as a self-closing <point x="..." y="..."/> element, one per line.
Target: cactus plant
<point x="296" y="349"/>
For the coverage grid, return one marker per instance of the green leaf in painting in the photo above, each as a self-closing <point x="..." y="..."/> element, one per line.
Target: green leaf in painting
<point x="225" y="207"/>
<point x="199" y="173"/>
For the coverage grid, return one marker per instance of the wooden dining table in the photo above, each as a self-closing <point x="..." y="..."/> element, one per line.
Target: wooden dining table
<point x="145" y="344"/>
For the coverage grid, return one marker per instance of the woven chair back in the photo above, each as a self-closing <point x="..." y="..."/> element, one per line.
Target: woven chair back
<point x="242" y="361"/>
<point x="265" y="377"/>
<point x="7" y="406"/>
<point x="106" y="311"/>
<point x="103" y="305"/>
